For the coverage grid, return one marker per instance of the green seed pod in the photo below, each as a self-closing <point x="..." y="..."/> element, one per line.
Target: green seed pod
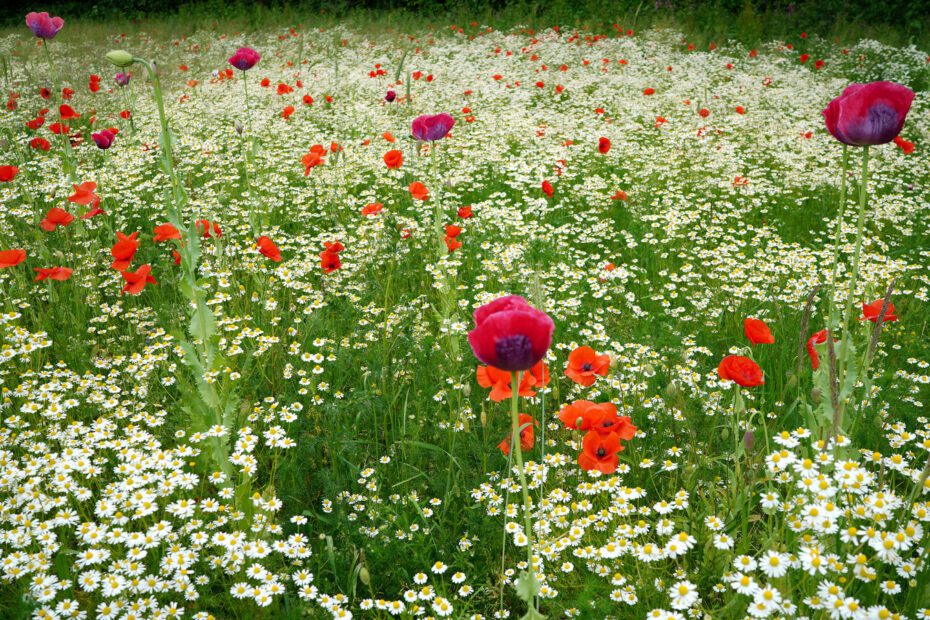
<point x="364" y="576"/>
<point x="120" y="58"/>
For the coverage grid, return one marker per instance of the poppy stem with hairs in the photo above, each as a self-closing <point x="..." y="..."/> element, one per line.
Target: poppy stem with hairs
<point x="518" y="450"/>
<point x="854" y="276"/>
<point x="67" y="156"/>
<point x="844" y="166"/>
<point x="165" y="141"/>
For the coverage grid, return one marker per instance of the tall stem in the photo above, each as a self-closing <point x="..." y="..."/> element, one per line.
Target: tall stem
<point x="854" y="277"/>
<point x="518" y="451"/>
<point x="67" y="158"/>
<point x="838" y="236"/>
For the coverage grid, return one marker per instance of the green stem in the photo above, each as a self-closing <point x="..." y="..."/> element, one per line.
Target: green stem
<point x="838" y="237"/>
<point x="518" y="451"/>
<point x="854" y="277"/>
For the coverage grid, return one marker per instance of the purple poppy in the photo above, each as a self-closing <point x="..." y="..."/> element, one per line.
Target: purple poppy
<point x="103" y="139"/>
<point x="510" y="334"/>
<point x="390" y="96"/>
<point x="245" y="58"/>
<point x="429" y="128"/>
<point x="44" y="26"/>
<point x="867" y="114"/>
<point x="122" y="79"/>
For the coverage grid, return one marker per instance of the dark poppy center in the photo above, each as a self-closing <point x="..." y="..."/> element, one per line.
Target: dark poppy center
<point x="586" y="367"/>
<point x="882" y="125"/>
<point x="601" y="453"/>
<point x="514" y="352"/>
<point x="606" y="424"/>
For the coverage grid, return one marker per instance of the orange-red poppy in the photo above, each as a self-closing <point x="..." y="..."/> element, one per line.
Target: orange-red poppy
<point x="527" y="435"/>
<point x="741" y="370"/>
<point x="164" y="232"/>
<point x="84" y="194"/>
<point x="757" y="332"/>
<point x="52" y="273"/>
<point x="393" y="159"/>
<point x="54" y="218"/>
<point x="136" y="281"/>
<point x="124" y="250"/>
<point x="419" y="191"/>
<point x="372" y="209"/>
<point x="8" y="173"/>
<point x="871" y="311"/>
<point x="501" y="383"/>
<point x="584" y="366"/>
<point x="599" y="452"/>
<point x="11" y="258"/>
<point x="204" y="226"/>
<point x="267" y="247"/>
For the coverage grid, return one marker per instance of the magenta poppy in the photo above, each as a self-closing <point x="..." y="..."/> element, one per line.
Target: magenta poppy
<point x="43" y="25"/>
<point x="510" y="334"/>
<point x="245" y="58"/>
<point x="103" y="139"/>
<point x="429" y="128"/>
<point x="390" y="96"/>
<point x="867" y="114"/>
<point x="122" y="79"/>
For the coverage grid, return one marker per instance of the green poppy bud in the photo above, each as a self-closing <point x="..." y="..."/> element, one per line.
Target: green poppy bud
<point x="120" y="58"/>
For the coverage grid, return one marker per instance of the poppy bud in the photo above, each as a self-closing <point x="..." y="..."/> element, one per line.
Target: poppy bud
<point x="672" y="391"/>
<point x="816" y="396"/>
<point x="749" y="440"/>
<point x="792" y="381"/>
<point x="484" y="418"/>
<point x="120" y="58"/>
<point x="239" y="127"/>
<point x="364" y="576"/>
<point x="467" y="389"/>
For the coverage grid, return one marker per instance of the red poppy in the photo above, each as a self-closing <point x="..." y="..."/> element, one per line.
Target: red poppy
<point x="36" y="122"/>
<point x="527" y="436"/>
<point x="67" y="112"/>
<point x="816" y="338"/>
<point x="203" y="226"/>
<point x="54" y="218"/>
<point x="603" y="146"/>
<point x="741" y="370"/>
<point x="164" y="232"/>
<point x="584" y="365"/>
<point x="871" y="311"/>
<point x="286" y="112"/>
<point x="84" y="194"/>
<point x="740" y="109"/>
<point x="703" y="112"/>
<point x="419" y="191"/>
<point x="94" y="211"/>
<point x="599" y="451"/>
<point x="52" y="273"/>
<point x="314" y="158"/>
<point x="11" y="258"/>
<point x="394" y="159"/>
<point x="267" y="247"/>
<point x="125" y="114"/>
<point x="510" y="334"/>
<point x="136" y="281"/>
<point x="906" y="147"/>
<point x="501" y="383"/>
<point x="757" y="332"/>
<point x="465" y="212"/>
<point x="584" y="415"/>
<point x="649" y="91"/>
<point x="547" y="188"/>
<point x="59" y="128"/>
<point x="452" y="244"/>
<point x="372" y="209"/>
<point x="124" y="250"/>
<point x="329" y="261"/>
<point x="8" y="173"/>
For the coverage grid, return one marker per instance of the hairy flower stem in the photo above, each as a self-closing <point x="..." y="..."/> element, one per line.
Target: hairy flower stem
<point x="67" y="154"/>
<point x="518" y="451"/>
<point x="854" y="276"/>
<point x="844" y="167"/>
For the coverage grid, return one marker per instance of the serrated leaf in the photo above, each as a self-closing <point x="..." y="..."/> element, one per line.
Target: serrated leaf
<point x="527" y="586"/>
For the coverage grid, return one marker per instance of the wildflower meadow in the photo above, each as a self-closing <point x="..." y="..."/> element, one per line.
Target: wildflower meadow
<point x="459" y="321"/>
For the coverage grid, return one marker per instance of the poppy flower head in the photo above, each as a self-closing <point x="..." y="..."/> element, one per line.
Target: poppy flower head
<point x="54" y="218"/>
<point x="164" y="232"/>
<point x="245" y="58"/>
<point x="599" y="452"/>
<point x="741" y="370"/>
<point x="393" y="159"/>
<point x="122" y="79"/>
<point x="419" y="191"/>
<point x="501" y="383"/>
<point x="11" y="258"/>
<point x="510" y="334"/>
<point x="527" y="436"/>
<point x="124" y="250"/>
<point x="372" y="209"/>
<point x="603" y="146"/>
<point x="43" y="25"/>
<point x="136" y="281"/>
<point x="52" y="273"/>
<point x="84" y="194"/>
<point x="268" y="248"/>
<point x="428" y="128"/>
<point x="585" y="365"/>
<point x="816" y="338"/>
<point x="868" y="114"/>
<point x="547" y="188"/>
<point x="103" y="139"/>
<point x="757" y="332"/>
<point x="8" y="173"/>
<point x="871" y="312"/>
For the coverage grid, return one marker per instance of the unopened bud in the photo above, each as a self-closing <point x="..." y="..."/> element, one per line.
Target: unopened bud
<point x="239" y="127"/>
<point x="120" y="58"/>
<point x="749" y="441"/>
<point x="672" y="391"/>
<point x="364" y="576"/>
<point x="816" y="396"/>
<point x="484" y="418"/>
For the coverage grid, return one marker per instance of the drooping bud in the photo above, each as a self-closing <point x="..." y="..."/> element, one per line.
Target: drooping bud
<point x="120" y="58"/>
<point x="749" y="440"/>
<point x="816" y="396"/>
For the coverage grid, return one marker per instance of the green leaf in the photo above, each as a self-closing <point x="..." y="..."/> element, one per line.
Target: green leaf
<point x="528" y="586"/>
